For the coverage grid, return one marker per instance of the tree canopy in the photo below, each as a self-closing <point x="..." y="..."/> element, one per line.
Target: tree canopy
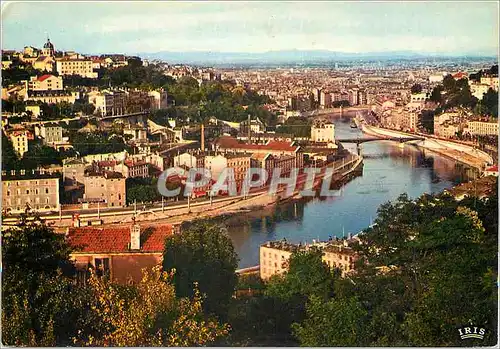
<point x="44" y="304"/>
<point x="204" y="255"/>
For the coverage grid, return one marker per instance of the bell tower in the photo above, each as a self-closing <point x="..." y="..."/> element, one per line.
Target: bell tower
<point x="48" y="49"/>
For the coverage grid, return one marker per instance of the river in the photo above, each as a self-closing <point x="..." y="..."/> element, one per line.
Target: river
<point x="388" y="172"/>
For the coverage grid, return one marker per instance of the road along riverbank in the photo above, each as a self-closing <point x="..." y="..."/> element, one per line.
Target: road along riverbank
<point x="460" y="152"/>
<point x="176" y="214"/>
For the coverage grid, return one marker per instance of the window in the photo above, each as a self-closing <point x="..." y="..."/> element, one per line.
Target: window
<point x="102" y="266"/>
<point x="8" y="192"/>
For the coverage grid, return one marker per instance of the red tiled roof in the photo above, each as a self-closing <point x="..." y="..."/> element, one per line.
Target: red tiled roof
<point x="130" y="163"/>
<point x="232" y="143"/>
<point x="459" y="75"/>
<point x="44" y="77"/>
<point x="107" y="240"/>
<point x="106" y="163"/>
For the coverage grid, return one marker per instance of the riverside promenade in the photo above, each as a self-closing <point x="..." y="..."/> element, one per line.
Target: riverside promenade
<point x="176" y="214"/>
<point x="460" y="152"/>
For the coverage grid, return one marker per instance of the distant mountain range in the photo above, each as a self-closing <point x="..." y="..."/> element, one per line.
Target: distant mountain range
<point x="290" y="56"/>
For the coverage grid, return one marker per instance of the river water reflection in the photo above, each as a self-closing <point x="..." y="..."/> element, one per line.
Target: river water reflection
<point x="388" y="172"/>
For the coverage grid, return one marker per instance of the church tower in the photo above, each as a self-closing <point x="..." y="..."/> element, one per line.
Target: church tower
<point x="48" y="49"/>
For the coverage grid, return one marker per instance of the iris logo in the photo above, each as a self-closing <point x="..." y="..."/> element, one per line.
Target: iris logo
<point x="471" y="332"/>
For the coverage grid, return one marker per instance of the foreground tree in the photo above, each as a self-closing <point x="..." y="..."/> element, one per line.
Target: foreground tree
<point x="205" y="255"/>
<point x="43" y="305"/>
<point x="426" y="269"/>
<point x="337" y="322"/>
<point x="149" y="314"/>
<point x="40" y="305"/>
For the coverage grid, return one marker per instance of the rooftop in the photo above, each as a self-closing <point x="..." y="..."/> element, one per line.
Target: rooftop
<point x="117" y="239"/>
<point x="233" y="143"/>
<point x="332" y="245"/>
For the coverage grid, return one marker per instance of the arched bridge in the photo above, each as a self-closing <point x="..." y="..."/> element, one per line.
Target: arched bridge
<point x="373" y="139"/>
<point x="358" y="141"/>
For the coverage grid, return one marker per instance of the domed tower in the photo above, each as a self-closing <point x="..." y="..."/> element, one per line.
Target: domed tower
<point x="48" y="49"/>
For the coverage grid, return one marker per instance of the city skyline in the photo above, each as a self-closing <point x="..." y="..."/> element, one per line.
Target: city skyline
<point x="256" y="27"/>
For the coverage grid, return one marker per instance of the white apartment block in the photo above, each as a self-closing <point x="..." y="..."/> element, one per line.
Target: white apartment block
<point x="419" y="97"/>
<point x="478" y="90"/>
<point x="21" y="190"/>
<point x="323" y="131"/>
<point x="51" y="133"/>
<point x="45" y="82"/>
<point x="482" y="128"/>
<point x="19" y="142"/>
<point x="81" y="67"/>
<point x="274" y="256"/>
<point x="108" y="102"/>
<point x="490" y="81"/>
<point x="159" y="100"/>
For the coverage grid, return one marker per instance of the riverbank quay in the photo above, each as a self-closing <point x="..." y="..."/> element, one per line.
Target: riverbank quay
<point x="257" y="198"/>
<point x="480" y="188"/>
<point x="463" y="153"/>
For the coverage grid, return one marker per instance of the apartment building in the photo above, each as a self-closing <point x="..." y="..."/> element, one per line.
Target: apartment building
<point x="108" y="102"/>
<point x="19" y="141"/>
<point x="325" y="100"/>
<point x="35" y="190"/>
<point x="275" y="255"/>
<point x="52" y="96"/>
<point x="133" y="168"/>
<point x="121" y="253"/>
<point x="137" y="133"/>
<point x="81" y="67"/>
<point x="74" y="171"/>
<point x="441" y="123"/>
<point x="323" y="131"/>
<point x="107" y="187"/>
<point x="190" y="160"/>
<point x="46" y="82"/>
<point x="51" y="133"/>
<point x="159" y="99"/>
<point x="482" y="128"/>
<point x="491" y="81"/>
<point x="240" y="163"/>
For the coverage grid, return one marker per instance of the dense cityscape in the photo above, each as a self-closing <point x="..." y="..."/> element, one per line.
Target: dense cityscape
<point x="94" y="254"/>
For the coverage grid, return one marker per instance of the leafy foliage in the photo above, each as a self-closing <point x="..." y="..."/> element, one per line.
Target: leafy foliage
<point x="142" y="190"/>
<point x="40" y="155"/>
<point x="416" y="88"/>
<point x="97" y="142"/>
<point x="43" y="305"/>
<point x="39" y="303"/>
<point x="10" y="160"/>
<point x="297" y="126"/>
<point x="203" y="254"/>
<point x="427" y="268"/>
<point x="148" y="314"/>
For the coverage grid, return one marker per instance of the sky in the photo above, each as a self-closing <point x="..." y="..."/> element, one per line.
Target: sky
<point x="147" y="27"/>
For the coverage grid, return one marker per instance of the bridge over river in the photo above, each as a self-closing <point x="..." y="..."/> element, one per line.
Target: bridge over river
<point x="373" y="139"/>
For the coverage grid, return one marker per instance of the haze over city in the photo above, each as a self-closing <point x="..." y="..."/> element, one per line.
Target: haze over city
<point x="131" y="28"/>
<point x="249" y="174"/>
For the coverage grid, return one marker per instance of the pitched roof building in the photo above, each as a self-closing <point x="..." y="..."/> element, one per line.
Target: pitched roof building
<point x="119" y="252"/>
